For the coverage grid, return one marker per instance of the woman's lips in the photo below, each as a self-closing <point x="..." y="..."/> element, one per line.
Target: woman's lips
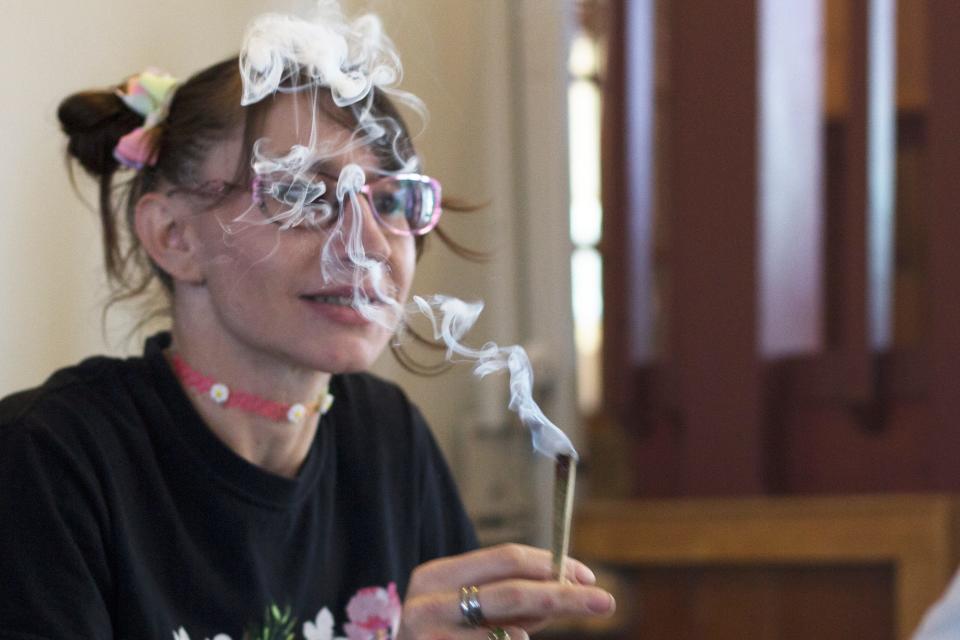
<point x="338" y="307"/>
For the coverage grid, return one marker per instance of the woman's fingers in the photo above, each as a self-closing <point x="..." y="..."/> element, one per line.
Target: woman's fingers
<point x="531" y="602"/>
<point x="519" y="603"/>
<point x="510" y="585"/>
<point x="493" y="564"/>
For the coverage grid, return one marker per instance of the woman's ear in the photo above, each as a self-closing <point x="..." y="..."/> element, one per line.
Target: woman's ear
<point x="163" y="227"/>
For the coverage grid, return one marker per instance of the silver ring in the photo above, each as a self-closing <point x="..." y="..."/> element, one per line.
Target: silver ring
<point x="470" y="606"/>
<point x="498" y="633"/>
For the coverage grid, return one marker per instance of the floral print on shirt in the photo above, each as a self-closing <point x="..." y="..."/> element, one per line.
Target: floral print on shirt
<point x="373" y="613"/>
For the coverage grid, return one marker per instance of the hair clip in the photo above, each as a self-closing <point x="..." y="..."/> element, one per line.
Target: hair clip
<point x="148" y="94"/>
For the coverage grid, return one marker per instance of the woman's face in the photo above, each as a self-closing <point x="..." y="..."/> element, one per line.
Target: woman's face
<point x="267" y="285"/>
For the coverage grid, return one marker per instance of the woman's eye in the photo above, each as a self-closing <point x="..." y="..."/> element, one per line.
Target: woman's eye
<point x="301" y="193"/>
<point x="390" y="203"/>
<point x="318" y="202"/>
<point x="298" y="205"/>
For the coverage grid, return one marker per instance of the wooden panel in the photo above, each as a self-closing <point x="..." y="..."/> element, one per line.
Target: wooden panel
<point x="943" y="169"/>
<point x="712" y="146"/>
<point x="744" y="603"/>
<point x="850" y="272"/>
<point x="781" y="603"/>
<point x="912" y="536"/>
<point x="837" y="42"/>
<point x="829" y="447"/>
<point x="912" y="55"/>
<point x="615" y="245"/>
<point x="707" y="418"/>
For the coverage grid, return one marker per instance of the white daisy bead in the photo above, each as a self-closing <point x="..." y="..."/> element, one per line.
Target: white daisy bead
<point x="296" y="413"/>
<point x="327" y="403"/>
<point x="219" y="392"/>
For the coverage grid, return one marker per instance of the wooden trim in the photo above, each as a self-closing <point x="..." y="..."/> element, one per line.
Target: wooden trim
<point x="626" y="167"/>
<point x="895" y="375"/>
<point x="851" y="241"/>
<point x="711" y="140"/>
<point x="613" y="243"/>
<point x="915" y="534"/>
<point x="943" y="195"/>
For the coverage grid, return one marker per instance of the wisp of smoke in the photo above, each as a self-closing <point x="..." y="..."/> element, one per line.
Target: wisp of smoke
<point x="284" y="54"/>
<point x="451" y="318"/>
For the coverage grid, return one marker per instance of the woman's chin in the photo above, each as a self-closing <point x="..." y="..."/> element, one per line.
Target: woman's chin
<point x="349" y="356"/>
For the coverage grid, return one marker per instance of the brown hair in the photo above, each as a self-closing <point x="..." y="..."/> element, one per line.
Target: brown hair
<point x="204" y="111"/>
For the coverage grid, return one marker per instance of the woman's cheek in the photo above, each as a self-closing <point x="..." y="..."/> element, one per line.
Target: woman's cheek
<point x="407" y="266"/>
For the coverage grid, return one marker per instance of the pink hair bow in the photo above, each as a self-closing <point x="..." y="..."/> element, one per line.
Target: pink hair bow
<point x="148" y="94"/>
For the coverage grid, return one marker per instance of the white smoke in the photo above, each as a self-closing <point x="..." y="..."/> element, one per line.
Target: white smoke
<point x="451" y="318"/>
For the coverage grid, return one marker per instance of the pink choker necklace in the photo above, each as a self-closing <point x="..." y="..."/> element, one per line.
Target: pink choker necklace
<point x="248" y="402"/>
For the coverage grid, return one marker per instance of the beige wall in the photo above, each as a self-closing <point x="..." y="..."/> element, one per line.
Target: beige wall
<point x="478" y="64"/>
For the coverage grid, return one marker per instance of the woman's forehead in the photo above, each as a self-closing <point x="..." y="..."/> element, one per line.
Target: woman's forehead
<point x="296" y="121"/>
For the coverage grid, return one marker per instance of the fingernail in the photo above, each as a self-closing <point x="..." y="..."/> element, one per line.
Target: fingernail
<point x="601" y="602"/>
<point x="585" y="575"/>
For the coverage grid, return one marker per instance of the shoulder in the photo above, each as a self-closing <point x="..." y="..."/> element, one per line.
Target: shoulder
<point x="78" y="412"/>
<point x="95" y="390"/>
<point x="96" y="386"/>
<point x="70" y="388"/>
<point x="56" y="500"/>
<point x="54" y="454"/>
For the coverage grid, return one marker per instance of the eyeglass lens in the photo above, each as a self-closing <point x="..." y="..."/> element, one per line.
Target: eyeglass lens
<point x="407" y="203"/>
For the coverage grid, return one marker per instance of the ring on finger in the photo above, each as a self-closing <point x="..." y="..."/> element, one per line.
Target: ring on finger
<point x="470" y="606"/>
<point x="498" y="633"/>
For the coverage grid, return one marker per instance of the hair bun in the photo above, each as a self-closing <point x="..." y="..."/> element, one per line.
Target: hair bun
<point x="94" y="122"/>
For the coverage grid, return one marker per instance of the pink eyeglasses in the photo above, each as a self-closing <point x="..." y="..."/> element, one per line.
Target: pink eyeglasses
<point x="406" y="204"/>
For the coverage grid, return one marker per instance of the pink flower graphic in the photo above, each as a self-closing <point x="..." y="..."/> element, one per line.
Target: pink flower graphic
<point x="374" y="613"/>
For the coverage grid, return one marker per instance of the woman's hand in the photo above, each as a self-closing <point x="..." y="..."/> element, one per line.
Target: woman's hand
<point x="516" y="592"/>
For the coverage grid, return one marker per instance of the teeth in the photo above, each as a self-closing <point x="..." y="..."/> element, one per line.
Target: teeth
<point x="343" y="301"/>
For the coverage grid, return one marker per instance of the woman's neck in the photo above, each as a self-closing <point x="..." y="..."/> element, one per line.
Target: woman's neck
<point x="276" y="446"/>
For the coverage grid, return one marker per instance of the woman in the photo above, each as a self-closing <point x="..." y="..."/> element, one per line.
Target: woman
<point x="242" y="478"/>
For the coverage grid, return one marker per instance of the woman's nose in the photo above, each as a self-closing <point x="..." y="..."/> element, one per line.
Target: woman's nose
<point x="372" y="235"/>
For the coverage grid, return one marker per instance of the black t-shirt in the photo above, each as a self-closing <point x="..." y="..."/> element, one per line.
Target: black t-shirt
<point x="123" y="516"/>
